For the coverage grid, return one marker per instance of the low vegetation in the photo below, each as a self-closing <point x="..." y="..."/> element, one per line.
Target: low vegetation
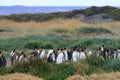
<point x="103" y="76"/>
<point x="40" y="68"/>
<point x="112" y="65"/>
<point x="29" y="42"/>
<point x="93" y="30"/>
<point x="19" y="76"/>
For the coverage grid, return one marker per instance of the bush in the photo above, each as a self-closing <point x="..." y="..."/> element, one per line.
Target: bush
<point x="32" y="44"/>
<point x="87" y="42"/>
<point x="95" y="61"/>
<point x="61" y="71"/>
<point x="3" y="70"/>
<point x="81" y="67"/>
<point x="93" y="30"/>
<point x="113" y="65"/>
<point x="88" y="12"/>
<point x="49" y="45"/>
<point x="40" y="67"/>
<point x="60" y="30"/>
<point x="33" y="66"/>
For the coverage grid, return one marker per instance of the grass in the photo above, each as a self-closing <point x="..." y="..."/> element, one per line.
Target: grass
<point x="34" y="28"/>
<point x="29" y="42"/>
<point x="93" y="30"/>
<point x="103" y="76"/>
<point x="40" y="68"/>
<point x="112" y="65"/>
<point x="19" y="76"/>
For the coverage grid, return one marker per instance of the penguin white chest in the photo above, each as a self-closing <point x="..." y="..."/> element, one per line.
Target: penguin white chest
<point x="59" y="58"/>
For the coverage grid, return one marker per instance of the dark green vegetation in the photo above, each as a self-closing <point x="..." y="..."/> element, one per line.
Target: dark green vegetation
<point x="113" y="65"/>
<point x="48" y="71"/>
<point x="93" y="30"/>
<point x="59" y="38"/>
<point x="111" y="12"/>
<point x="29" y="42"/>
<point x="41" y="68"/>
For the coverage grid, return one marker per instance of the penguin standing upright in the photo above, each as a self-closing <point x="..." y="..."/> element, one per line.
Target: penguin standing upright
<point x="118" y="50"/>
<point x="82" y="55"/>
<point x="70" y="54"/>
<point x="60" y="57"/>
<point x="2" y="60"/>
<point x="49" y="52"/>
<point x="51" y="57"/>
<point x="78" y="54"/>
<point x="74" y="56"/>
<point x="14" y="56"/>
<point x="22" y="57"/>
<point x="66" y="54"/>
<point x="42" y="53"/>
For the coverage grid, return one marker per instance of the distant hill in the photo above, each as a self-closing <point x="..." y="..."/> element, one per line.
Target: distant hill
<point x="18" y="9"/>
<point x="90" y="15"/>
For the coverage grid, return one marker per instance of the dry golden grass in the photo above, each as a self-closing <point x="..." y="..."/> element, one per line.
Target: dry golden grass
<point x="36" y="28"/>
<point x="19" y="76"/>
<point x="104" y="76"/>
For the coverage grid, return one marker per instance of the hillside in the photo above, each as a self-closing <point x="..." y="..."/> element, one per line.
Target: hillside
<point x="89" y="15"/>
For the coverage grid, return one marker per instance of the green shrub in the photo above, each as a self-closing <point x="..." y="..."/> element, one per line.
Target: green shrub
<point x="60" y="30"/>
<point x="89" y="12"/>
<point x="61" y="71"/>
<point x="33" y="66"/>
<point x="81" y="67"/>
<point x="87" y="42"/>
<point x="49" y="45"/>
<point x="93" y="30"/>
<point x="32" y="44"/>
<point x="3" y="70"/>
<point x="41" y="68"/>
<point x="113" y="65"/>
<point x="94" y="60"/>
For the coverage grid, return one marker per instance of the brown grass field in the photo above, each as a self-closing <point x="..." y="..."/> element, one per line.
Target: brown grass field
<point x="104" y="76"/>
<point x="19" y="76"/>
<point x="36" y="28"/>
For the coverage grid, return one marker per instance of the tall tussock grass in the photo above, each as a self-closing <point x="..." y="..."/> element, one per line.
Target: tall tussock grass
<point x="23" y="29"/>
<point x="40" y="68"/>
<point x="81" y="67"/>
<point x="19" y="76"/>
<point x="103" y="76"/>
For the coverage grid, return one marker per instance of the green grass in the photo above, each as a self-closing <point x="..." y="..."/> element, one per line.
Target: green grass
<point x="112" y="65"/>
<point x="56" y="41"/>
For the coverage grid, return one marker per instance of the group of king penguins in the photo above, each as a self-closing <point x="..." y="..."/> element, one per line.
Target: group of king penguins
<point x="14" y="56"/>
<point x="108" y="53"/>
<point x="62" y="54"/>
<point x="59" y="55"/>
